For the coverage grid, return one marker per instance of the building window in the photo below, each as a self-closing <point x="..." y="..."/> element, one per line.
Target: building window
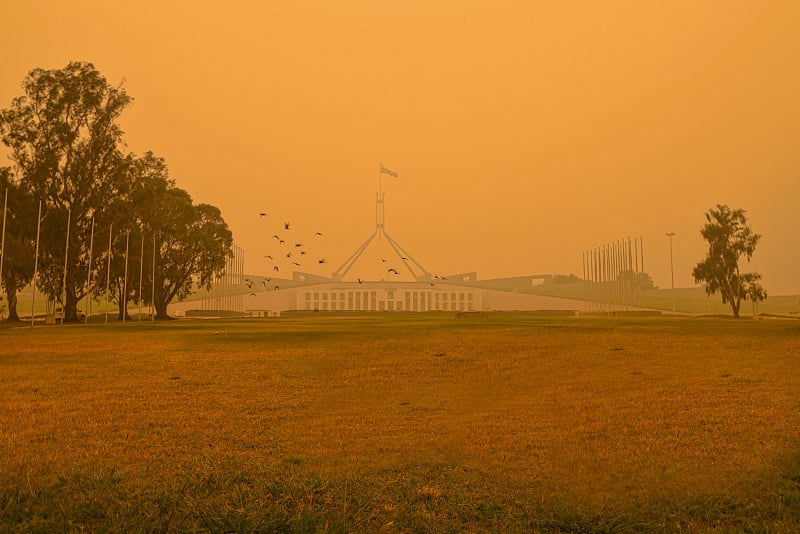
<point x="308" y="295"/>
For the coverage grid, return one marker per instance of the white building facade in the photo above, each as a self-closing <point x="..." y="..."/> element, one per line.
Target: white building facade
<point x="384" y="296"/>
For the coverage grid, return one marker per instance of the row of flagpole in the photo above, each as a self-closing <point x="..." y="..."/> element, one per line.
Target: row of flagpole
<point x="606" y="289"/>
<point x="89" y="274"/>
<point x="220" y="297"/>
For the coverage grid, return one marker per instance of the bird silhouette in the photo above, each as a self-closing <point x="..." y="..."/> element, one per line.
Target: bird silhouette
<point x="288" y="254"/>
<point x="275" y="268"/>
<point x="252" y="294"/>
<point x="404" y="258"/>
<point x="298" y="245"/>
<point x="264" y="283"/>
<point x="302" y="252"/>
<point x="383" y="260"/>
<point x="360" y="281"/>
<point x="276" y="288"/>
<point x="295" y="263"/>
<point x="318" y="233"/>
<point x="249" y="284"/>
<point x="393" y="270"/>
<point x="276" y="237"/>
<point x="268" y="256"/>
<point x="286" y="226"/>
<point x="262" y="214"/>
<point x="281" y="241"/>
<point x="322" y="260"/>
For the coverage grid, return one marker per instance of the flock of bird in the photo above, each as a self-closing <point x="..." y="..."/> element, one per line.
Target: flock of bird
<point x="295" y="252"/>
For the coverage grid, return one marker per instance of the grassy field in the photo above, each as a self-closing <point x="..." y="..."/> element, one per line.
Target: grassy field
<point x="402" y="423"/>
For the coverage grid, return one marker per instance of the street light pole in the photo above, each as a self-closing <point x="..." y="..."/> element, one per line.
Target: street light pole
<point x="671" y="270"/>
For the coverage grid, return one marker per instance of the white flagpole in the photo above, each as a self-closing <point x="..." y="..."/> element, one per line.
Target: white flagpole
<point x="3" y="244"/>
<point x="36" y="263"/>
<point x="89" y="277"/>
<point x="108" y="271"/>
<point x="64" y="283"/>
<point x="153" y="284"/>
<point x="124" y="300"/>
<point x="141" y="270"/>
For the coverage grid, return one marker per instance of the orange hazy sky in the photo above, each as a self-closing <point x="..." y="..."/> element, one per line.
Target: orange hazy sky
<point x="524" y="132"/>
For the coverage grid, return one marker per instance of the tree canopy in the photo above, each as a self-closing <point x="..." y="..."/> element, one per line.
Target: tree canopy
<point x="729" y="239"/>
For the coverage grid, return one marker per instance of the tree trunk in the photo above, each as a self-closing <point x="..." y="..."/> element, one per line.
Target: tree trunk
<point x="122" y="310"/>
<point x="161" y="310"/>
<point x="71" y="308"/>
<point x="11" y="296"/>
<point x="735" y="304"/>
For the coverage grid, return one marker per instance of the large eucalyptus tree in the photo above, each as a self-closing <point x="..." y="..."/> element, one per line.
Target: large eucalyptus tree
<point x="66" y="145"/>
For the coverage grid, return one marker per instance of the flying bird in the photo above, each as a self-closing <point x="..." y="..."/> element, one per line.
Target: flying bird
<point x="268" y="256"/>
<point x="262" y="214"/>
<point x="288" y="254"/>
<point x="281" y="241"/>
<point x="276" y="237"/>
<point x="277" y="288"/>
<point x="286" y="226"/>
<point x="249" y="284"/>
<point x="302" y="252"/>
<point x="252" y="294"/>
<point x="318" y="233"/>
<point x="295" y="263"/>
<point x="322" y="260"/>
<point x="360" y="281"/>
<point x="298" y="245"/>
<point x="383" y="260"/>
<point x="393" y="270"/>
<point x="275" y="268"/>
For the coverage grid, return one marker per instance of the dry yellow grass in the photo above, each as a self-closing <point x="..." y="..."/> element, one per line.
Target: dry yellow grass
<point x="599" y="415"/>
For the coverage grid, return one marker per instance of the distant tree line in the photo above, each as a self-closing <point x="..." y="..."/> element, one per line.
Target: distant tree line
<point x="93" y="205"/>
